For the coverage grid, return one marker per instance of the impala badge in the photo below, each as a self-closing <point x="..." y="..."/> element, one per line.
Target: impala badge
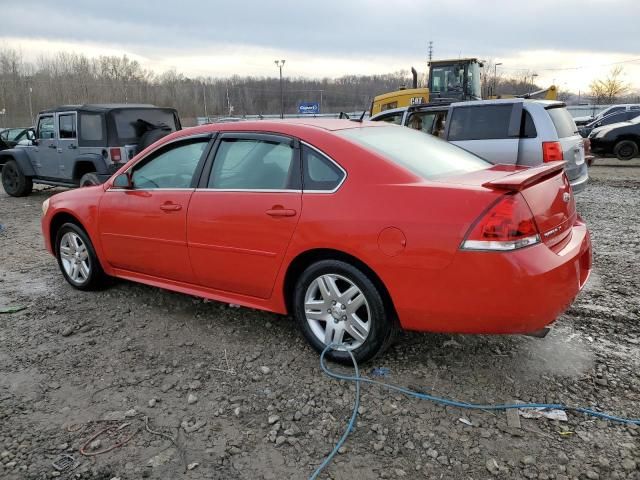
<point x="566" y="196"/>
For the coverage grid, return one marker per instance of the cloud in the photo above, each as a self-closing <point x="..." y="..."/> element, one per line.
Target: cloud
<point x="334" y="37"/>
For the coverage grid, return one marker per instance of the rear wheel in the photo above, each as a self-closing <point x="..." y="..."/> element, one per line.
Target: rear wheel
<point x="14" y="181"/>
<point x="336" y="303"/>
<point x="77" y="258"/>
<point x="626" y="150"/>
<point x="89" y="179"/>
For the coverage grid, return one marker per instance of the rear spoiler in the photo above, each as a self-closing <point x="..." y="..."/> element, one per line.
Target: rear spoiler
<point x="524" y="178"/>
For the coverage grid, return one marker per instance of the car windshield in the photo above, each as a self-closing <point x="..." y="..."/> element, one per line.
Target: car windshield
<point x="424" y="155"/>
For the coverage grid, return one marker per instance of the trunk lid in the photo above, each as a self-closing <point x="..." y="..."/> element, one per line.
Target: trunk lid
<point x="548" y="193"/>
<point x="545" y="188"/>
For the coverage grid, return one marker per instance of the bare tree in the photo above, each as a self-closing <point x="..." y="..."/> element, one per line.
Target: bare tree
<point x="607" y="90"/>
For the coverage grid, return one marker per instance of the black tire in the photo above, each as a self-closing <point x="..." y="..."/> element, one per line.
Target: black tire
<point x="380" y="321"/>
<point x="89" y="179"/>
<point x="151" y="136"/>
<point x="14" y="182"/>
<point x="96" y="276"/>
<point x="626" y="150"/>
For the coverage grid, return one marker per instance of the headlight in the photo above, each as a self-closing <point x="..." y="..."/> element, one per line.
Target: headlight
<point x="45" y="206"/>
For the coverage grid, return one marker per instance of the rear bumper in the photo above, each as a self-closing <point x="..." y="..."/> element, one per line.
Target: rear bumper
<point x="495" y="293"/>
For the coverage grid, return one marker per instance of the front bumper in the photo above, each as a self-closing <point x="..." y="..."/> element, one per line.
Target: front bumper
<point x="495" y="293"/>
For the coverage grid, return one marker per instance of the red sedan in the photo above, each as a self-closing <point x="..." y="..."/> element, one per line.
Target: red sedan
<point x="355" y="229"/>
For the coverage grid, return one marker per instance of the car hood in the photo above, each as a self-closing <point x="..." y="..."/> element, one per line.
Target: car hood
<point x="601" y="131"/>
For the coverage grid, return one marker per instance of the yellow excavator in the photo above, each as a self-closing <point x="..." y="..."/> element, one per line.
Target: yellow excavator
<point x="449" y="80"/>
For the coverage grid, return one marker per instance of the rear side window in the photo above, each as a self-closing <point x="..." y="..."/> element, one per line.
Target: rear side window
<point x="563" y="121"/>
<point x="424" y="155"/>
<point x="67" y="125"/>
<point x="254" y="164"/>
<point x="480" y="122"/>
<point x="528" y="128"/>
<point x="92" y="127"/>
<point x="319" y="173"/>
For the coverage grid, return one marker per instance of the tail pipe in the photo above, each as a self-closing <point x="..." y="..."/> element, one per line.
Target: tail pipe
<point x="415" y="77"/>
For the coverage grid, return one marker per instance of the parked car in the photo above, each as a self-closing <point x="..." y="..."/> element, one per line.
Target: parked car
<point x="616" y="117"/>
<point x="510" y="131"/>
<point x="80" y="145"/>
<point x="14" y="136"/>
<point x="625" y="107"/>
<point x="619" y="139"/>
<point x="341" y="224"/>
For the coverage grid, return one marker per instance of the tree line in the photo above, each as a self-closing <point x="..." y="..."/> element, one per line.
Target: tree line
<point x="70" y="78"/>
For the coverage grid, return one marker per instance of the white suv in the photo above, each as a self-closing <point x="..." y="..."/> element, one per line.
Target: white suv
<point x="510" y="131"/>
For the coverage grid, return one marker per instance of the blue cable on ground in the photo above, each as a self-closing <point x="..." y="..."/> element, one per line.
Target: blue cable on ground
<point x="443" y="401"/>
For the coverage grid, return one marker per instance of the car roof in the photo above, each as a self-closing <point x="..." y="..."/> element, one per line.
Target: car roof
<point x="102" y="107"/>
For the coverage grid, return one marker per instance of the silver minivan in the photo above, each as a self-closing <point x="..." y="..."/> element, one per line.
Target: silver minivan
<point x="508" y="131"/>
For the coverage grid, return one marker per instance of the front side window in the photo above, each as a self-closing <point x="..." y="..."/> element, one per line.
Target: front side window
<point x="319" y="173"/>
<point x="253" y="164"/>
<point x="172" y="167"/>
<point x="46" y="128"/>
<point x="480" y="122"/>
<point x="67" y="125"/>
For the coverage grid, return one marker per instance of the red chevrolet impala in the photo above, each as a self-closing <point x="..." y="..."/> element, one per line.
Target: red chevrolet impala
<point x="355" y="229"/>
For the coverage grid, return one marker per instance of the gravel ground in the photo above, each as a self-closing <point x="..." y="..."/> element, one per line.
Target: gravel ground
<point x="210" y="391"/>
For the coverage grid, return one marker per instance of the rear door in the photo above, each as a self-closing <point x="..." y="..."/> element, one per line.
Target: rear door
<point x="490" y="130"/>
<point x="242" y="216"/>
<point x="67" y="143"/>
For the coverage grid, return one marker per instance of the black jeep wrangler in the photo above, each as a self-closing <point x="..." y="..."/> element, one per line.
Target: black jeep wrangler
<point x="80" y="145"/>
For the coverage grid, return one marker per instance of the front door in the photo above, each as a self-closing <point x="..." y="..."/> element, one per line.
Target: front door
<point x="241" y="221"/>
<point x="143" y="228"/>
<point x="45" y="160"/>
<point x="67" y="144"/>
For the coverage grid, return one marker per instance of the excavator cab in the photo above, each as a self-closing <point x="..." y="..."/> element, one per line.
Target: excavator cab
<point x="454" y="80"/>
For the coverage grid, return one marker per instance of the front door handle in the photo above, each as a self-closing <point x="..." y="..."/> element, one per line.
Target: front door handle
<point x="170" y="207"/>
<point x="72" y="146"/>
<point x="52" y="146"/>
<point x="281" y="212"/>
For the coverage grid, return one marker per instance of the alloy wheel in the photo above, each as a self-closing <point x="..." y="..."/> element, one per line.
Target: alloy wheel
<point x="337" y="311"/>
<point x="75" y="257"/>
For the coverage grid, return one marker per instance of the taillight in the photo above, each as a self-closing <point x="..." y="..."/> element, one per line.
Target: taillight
<point x="508" y="225"/>
<point x="552" y="151"/>
<point x="115" y="154"/>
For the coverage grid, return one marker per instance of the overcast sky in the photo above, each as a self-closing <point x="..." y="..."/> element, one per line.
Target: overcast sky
<point x="566" y="41"/>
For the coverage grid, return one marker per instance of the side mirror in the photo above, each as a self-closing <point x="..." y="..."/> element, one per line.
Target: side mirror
<point x="123" y="180"/>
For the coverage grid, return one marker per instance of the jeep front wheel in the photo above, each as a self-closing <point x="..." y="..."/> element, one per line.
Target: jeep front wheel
<point x="14" y="181"/>
<point x="89" y="180"/>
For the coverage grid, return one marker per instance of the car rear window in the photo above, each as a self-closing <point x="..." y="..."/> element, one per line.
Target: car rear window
<point x="563" y="121"/>
<point x="424" y="155"/>
<point x="130" y="128"/>
<point x="482" y="122"/>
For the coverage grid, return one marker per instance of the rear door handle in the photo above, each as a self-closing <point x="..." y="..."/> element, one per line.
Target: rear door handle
<point x="281" y="212"/>
<point x="170" y="207"/>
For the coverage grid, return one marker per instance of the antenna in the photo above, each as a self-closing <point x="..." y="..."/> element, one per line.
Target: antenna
<point x="430" y="50"/>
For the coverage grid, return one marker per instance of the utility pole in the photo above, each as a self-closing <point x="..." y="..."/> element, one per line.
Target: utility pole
<point x="495" y="79"/>
<point x="30" y="105"/>
<point x="280" y="64"/>
<point x="533" y="75"/>
<point x="320" y="109"/>
<point x="204" y="97"/>
<point x="430" y="50"/>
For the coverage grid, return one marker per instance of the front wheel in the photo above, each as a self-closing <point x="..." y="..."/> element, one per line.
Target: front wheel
<point x="336" y="303"/>
<point x="77" y="258"/>
<point x="626" y="149"/>
<point x="14" y="181"/>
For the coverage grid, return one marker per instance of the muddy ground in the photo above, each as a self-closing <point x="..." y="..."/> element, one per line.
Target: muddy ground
<point x="235" y="393"/>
